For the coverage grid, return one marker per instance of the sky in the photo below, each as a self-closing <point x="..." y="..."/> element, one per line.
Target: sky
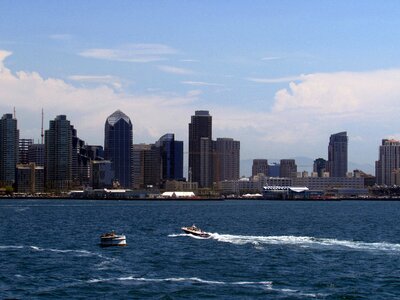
<point x="279" y="76"/>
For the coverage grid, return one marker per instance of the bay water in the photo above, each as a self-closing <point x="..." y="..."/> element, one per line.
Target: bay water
<point x="49" y="249"/>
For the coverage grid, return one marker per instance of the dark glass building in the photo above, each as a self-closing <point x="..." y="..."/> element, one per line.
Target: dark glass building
<point x="9" y="139"/>
<point x="36" y="154"/>
<point x="118" y="139"/>
<point x="171" y="157"/>
<point x="200" y="149"/>
<point x="58" y="153"/>
<point x="23" y="154"/>
<point x="319" y="166"/>
<point x="337" y="155"/>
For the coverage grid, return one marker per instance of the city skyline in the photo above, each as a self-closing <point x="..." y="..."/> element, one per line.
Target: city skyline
<point x="266" y="72"/>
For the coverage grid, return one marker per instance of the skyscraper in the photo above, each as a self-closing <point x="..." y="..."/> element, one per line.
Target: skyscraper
<point x="146" y="166"/>
<point x="388" y="163"/>
<point x="36" y="154"/>
<point x="24" y="145"/>
<point x="319" y="166"/>
<point x="260" y="166"/>
<point x="80" y="161"/>
<point x="200" y="148"/>
<point x="288" y="168"/>
<point x="171" y="157"/>
<point x="118" y="139"/>
<point x="58" y="153"/>
<point x="9" y="139"/>
<point x="337" y="155"/>
<point x="226" y="159"/>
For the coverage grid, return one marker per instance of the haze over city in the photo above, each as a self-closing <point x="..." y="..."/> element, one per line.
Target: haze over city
<point x="279" y="76"/>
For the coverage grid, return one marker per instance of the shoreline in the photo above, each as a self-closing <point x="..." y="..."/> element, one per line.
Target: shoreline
<point x="55" y="198"/>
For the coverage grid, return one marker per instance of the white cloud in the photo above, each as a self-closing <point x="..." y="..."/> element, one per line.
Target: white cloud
<point x="267" y="58"/>
<point x="175" y="70"/>
<point x="343" y="94"/>
<point x="98" y="79"/>
<point x="194" y="93"/>
<point x="276" y="80"/>
<point x="201" y="83"/>
<point x="3" y="55"/>
<point x="136" y="53"/>
<point x="189" y="60"/>
<point x="87" y="108"/>
<point x="297" y="123"/>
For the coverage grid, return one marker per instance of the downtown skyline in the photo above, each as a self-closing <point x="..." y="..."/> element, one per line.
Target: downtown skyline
<point x="278" y="76"/>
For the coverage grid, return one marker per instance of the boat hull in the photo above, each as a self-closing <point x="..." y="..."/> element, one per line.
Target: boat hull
<point x="113" y="241"/>
<point x="195" y="232"/>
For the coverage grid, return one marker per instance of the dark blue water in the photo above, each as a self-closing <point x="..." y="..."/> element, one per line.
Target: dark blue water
<point x="258" y="249"/>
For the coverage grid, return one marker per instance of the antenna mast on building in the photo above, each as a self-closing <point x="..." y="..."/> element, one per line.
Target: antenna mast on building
<point x="41" y="132"/>
<point x="14" y="116"/>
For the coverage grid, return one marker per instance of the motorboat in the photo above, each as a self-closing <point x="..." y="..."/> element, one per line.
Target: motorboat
<point x="112" y="239"/>
<point x="194" y="230"/>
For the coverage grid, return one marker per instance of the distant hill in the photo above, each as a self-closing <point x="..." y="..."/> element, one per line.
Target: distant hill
<point x="304" y="164"/>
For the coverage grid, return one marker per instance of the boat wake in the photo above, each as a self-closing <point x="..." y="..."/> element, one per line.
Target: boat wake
<point x="75" y="252"/>
<point x="301" y="241"/>
<point x="189" y="235"/>
<point x="306" y="242"/>
<point x="182" y="279"/>
<point x="265" y="285"/>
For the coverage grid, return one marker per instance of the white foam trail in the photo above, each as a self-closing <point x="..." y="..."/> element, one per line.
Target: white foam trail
<point x="10" y="247"/>
<point x="298" y="293"/>
<point x="73" y="251"/>
<point x="305" y="241"/>
<point x="189" y="235"/>
<point x="181" y="279"/>
<point x="178" y="234"/>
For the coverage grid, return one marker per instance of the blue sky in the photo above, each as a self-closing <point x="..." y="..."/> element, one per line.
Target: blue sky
<point x="280" y="76"/>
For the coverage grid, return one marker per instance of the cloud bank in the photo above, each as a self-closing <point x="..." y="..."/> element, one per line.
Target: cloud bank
<point x="297" y="123"/>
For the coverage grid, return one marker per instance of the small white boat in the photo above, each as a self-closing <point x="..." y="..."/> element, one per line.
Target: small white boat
<point x="194" y="230"/>
<point x="112" y="239"/>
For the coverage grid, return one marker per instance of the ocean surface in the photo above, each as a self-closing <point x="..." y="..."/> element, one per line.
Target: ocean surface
<point x="257" y="249"/>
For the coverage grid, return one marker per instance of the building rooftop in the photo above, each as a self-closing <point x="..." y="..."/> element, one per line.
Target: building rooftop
<point x="116" y="116"/>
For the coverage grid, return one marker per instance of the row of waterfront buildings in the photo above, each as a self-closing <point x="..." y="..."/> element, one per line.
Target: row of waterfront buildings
<point x="63" y="162"/>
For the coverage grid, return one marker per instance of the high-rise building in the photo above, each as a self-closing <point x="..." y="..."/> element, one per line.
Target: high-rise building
<point x="146" y="166"/>
<point x="58" y="143"/>
<point x="80" y="162"/>
<point x="260" y="166"/>
<point x="274" y="170"/>
<point x="102" y="174"/>
<point x="30" y="178"/>
<point x="200" y="148"/>
<point x="9" y="139"/>
<point x="337" y="155"/>
<point x="226" y="159"/>
<point x="36" y="154"/>
<point x="388" y="163"/>
<point x="95" y="152"/>
<point x="171" y="152"/>
<point x="288" y="168"/>
<point x="23" y="151"/>
<point x="319" y="166"/>
<point x="118" y="139"/>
